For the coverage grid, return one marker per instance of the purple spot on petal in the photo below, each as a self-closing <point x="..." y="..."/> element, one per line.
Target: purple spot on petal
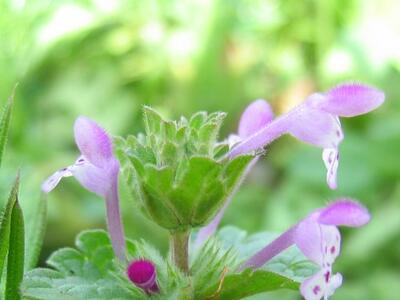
<point x="327" y="276"/>
<point x="333" y="250"/>
<point x="316" y="289"/>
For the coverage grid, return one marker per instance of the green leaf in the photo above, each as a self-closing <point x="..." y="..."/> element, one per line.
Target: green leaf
<point x="92" y="272"/>
<point x="200" y="192"/>
<point x="220" y="150"/>
<point x="5" y="224"/>
<point x="234" y="171"/>
<point x="198" y="119"/>
<point x="153" y="121"/>
<point x="16" y="254"/>
<point x="156" y="187"/>
<point x="5" y="124"/>
<point x="86" y="273"/>
<point x="248" y="283"/>
<point x="37" y="229"/>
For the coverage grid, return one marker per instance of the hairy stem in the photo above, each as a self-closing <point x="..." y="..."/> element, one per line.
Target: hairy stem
<point x="180" y="250"/>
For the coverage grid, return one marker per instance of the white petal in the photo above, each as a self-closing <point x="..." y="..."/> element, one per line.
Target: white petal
<point x="54" y="179"/>
<point x="330" y="157"/>
<point x="313" y="288"/>
<point x="330" y="244"/>
<point x="321" y="285"/>
<point x="334" y="283"/>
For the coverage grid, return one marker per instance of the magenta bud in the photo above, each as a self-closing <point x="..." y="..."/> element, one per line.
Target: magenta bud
<point x="144" y="275"/>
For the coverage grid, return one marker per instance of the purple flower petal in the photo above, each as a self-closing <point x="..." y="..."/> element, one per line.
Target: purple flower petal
<point x="92" y="141"/>
<point x="320" y="243"/>
<point x="352" y="99"/>
<point x="330" y="156"/>
<point x="344" y="213"/>
<point x="143" y="274"/>
<point x="255" y="116"/>
<point x="321" y="285"/>
<point x="308" y="239"/>
<point x="304" y="122"/>
<point x="315" y="127"/>
<point x="95" y="179"/>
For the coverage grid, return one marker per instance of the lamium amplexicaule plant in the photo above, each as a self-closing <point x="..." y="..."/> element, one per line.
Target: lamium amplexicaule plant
<point x="182" y="176"/>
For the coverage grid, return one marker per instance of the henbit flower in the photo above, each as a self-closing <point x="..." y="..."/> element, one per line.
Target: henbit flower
<point x="144" y="275"/>
<point x="97" y="170"/>
<point x="255" y="116"/>
<point x="318" y="239"/>
<point x="316" y="121"/>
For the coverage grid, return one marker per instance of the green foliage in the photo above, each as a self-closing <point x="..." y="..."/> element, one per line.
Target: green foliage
<point x="5" y="224"/>
<point x="12" y="245"/>
<point x="173" y="172"/>
<point x="215" y="275"/>
<point x="210" y="263"/>
<point x="92" y="272"/>
<point x="248" y="283"/>
<point x="85" y="273"/>
<point x="16" y="254"/>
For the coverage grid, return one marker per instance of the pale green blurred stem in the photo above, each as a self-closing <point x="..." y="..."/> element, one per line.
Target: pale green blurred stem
<point x="179" y="243"/>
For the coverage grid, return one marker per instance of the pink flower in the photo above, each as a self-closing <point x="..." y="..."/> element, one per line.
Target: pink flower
<point x="318" y="237"/>
<point x="97" y="170"/>
<point x="316" y="121"/>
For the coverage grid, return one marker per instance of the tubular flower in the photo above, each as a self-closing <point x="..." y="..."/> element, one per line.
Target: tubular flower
<point x="255" y="116"/>
<point x="97" y="170"/>
<point x="316" y="121"/>
<point x="143" y="274"/>
<point x="319" y="239"/>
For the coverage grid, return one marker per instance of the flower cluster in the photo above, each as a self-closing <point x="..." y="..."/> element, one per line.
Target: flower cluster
<point x="315" y="121"/>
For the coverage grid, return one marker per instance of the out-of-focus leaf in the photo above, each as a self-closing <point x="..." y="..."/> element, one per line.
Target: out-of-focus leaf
<point x="16" y="254"/>
<point x="5" y="124"/>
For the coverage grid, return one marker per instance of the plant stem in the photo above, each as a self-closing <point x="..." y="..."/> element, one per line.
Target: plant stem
<point x="180" y="249"/>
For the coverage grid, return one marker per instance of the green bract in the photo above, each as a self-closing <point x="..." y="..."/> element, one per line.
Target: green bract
<point x="178" y="171"/>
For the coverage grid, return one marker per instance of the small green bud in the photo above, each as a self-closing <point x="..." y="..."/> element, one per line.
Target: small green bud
<point x="177" y="170"/>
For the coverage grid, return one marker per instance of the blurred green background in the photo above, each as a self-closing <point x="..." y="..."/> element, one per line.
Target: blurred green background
<point x="105" y="58"/>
